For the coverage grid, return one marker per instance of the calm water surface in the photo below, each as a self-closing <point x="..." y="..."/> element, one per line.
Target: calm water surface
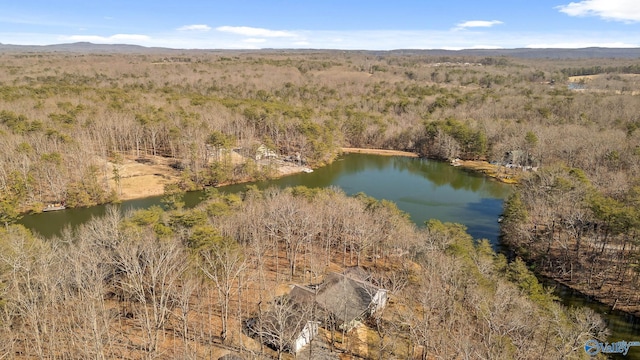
<point x="424" y="189"/>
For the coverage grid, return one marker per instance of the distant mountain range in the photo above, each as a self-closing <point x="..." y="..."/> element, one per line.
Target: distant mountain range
<point x="551" y="53"/>
<point x="82" y="47"/>
<point x="583" y="53"/>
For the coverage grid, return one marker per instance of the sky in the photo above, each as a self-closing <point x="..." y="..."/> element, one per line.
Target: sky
<point x="324" y="24"/>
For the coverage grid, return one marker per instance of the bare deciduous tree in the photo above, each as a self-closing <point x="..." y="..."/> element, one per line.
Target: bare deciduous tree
<point x="224" y="263"/>
<point x="150" y="277"/>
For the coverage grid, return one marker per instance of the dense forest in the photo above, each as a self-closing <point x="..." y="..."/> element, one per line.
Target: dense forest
<point x="180" y="284"/>
<point x="72" y="124"/>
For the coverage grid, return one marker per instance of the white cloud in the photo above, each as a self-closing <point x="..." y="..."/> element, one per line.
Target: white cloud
<point x="195" y="27"/>
<point x="485" y="47"/>
<point x="251" y="31"/>
<point x="243" y="46"/>
<point x="254" y="40"/>
<point x="616" y="10"/>
<point x="346" y="40"/>
<point x="129" y="37"/>
<point x="478" y="23"/>
<point x="579" y="45"/>
<point x="117" y="38"/>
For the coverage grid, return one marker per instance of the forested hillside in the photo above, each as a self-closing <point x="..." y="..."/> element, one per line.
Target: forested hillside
<point x="74" y="126"/>
<point x="69" y="121"/>
<point x="181" y="284"/>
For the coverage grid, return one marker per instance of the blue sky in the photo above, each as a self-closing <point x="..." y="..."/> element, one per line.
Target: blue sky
<point x="324" y="24"/>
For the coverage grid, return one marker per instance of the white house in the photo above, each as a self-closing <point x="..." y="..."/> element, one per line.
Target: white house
<point x="378" y="302"/>
<point x="307" y="334"/>
<point x="263" y="152"/>
<point x="340" y="300"/>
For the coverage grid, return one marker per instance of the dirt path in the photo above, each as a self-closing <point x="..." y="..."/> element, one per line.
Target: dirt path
<point x="500" y="173"/>
<point x="349" y="150"/>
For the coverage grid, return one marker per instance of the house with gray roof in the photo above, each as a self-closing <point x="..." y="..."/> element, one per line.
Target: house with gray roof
<point x="340" y="301"/>
<point x="287" y="323"/>
<point x="344" y="298"/>
<point x="350" y="300"/>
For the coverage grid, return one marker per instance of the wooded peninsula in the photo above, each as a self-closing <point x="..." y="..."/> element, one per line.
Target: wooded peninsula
<point x="247" y="274"/>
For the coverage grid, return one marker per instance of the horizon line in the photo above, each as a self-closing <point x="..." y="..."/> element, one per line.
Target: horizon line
<point x="319" y="49"/>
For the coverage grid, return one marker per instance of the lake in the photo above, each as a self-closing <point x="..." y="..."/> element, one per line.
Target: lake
<point x="423" y="188"/>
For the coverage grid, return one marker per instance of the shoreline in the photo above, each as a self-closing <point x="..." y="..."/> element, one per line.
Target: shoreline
<point x="282" y="171"/>
<point x="598" y="297"/>
<point x="383" y="152"/>
<point x="483" y="167"/>
<point x="496" y="172"/>
<point x="140" y="184"/>
<point x="499" y="173"/>
<point x="479" y="166"/>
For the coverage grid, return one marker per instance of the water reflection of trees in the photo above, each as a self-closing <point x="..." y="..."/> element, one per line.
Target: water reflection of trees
<point x="442" y="174"/>
<point x="437" y="173"/>
<point x="485" y="225"/>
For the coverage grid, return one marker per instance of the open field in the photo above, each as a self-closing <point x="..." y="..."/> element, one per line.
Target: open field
<point x="148" y="176"/>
